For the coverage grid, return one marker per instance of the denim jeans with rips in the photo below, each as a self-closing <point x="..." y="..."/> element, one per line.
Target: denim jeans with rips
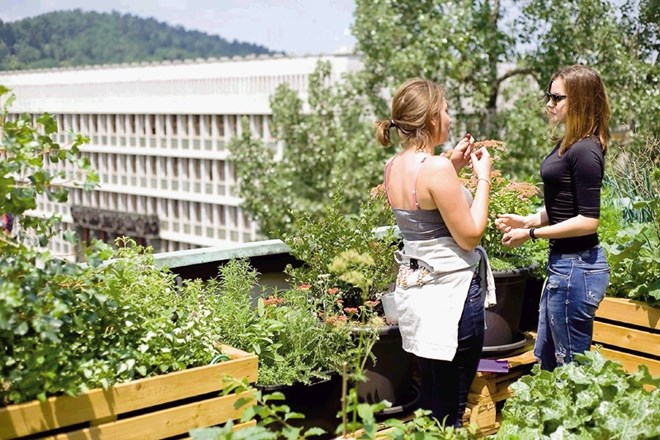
<point x="574" y="287"/>
<point x="445" y="384"/>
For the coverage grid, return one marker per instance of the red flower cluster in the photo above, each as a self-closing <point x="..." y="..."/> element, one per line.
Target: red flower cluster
<point x="272" y="300"/>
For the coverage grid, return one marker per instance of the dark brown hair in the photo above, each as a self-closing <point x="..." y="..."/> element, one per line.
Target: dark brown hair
<point x="415" y="104"/>
<point x="588" y="111"/>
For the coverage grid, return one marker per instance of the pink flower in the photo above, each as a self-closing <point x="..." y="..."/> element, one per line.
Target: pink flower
<point x="273" y="300"/>
<point x="372" y="304"/>
<point x="305" y="287"/>
<point x="350" y="310"/>
<point x="333" y="291"/>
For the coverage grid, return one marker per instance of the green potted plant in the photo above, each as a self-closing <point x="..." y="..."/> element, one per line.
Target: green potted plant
<point x="318" y="242"/>
<point x="347" y="263"/>
<point x="282" y="327"/>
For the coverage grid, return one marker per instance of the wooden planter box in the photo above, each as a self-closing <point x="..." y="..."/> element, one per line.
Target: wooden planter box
<point x="629" y="332"/>
<point x="489" y="391"/>
<point x="151" y="408"/>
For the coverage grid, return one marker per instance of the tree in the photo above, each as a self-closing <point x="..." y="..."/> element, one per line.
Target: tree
<point x="488" y="52"/>
<point x="329" y="148"/>
<point x="494" y="59"/>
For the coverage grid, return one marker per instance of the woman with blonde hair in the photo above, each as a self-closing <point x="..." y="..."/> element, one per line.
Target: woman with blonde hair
<point x="440" y="288"/>
<point x="577" y="272"/>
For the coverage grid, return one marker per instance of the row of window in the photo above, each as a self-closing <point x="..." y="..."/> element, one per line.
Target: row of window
<point x="221" y="127"/>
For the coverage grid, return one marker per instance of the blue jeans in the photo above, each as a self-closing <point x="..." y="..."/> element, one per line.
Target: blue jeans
<point x="574" y="288"/>
<point x="445" y="384"/>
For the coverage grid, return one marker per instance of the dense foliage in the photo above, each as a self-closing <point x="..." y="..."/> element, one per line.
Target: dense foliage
<point x="75" y="38"/>
<point x="66" y="326"/>
<point x="630" y="226"/>
<point x="591" y="398"/>
<point x="327" y="147"/>
<point x="346" y="263"/>
<point x="282" y="328"/>
<point x="495" y="59"/>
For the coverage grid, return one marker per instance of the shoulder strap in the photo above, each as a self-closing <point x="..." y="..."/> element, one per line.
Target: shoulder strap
<point x="414" y="190"/>
<point x="388" y="166"/>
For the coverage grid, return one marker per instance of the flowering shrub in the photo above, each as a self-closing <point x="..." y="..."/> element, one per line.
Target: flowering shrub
<point x="507" y="196"/>
<point x="346" y="263"/>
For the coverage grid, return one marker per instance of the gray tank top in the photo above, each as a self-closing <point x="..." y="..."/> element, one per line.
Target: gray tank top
<point x="419" y="224"/>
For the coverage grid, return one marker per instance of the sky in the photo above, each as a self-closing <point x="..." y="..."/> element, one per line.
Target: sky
<point x="296" y="27"/>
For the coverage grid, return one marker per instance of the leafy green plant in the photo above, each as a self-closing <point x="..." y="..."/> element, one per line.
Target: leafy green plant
<point x="274" y="421"/>
<point x="26" y="148"/>
<point x="319" y="242"/>
<point x="283" y="328"/>
<point x="66" y="327"/>
<point x="591" y="398"/>
<point x="630" y="226"/>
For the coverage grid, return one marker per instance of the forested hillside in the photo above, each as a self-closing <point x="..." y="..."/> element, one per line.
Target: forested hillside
<point x="74" y="38"/>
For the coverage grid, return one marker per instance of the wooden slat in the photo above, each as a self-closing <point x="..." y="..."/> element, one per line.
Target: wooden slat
<point x="165" y="423"/>
<point x="628" y="338"/>
<point x="630" y="312"/>
<point x="55" y="412"/>
<point x="631" y="362"/>
<point x="525" y="358"/>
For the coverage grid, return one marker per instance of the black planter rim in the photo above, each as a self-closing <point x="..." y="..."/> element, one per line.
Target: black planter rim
<point x="383" y="330"/>
<point x="525" y="270"/>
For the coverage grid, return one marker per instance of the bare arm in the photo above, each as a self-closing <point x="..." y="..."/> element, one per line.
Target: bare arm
<point x="506" y="222"/>
<point x="573" y="227"/>
<point x="465" y="223"/>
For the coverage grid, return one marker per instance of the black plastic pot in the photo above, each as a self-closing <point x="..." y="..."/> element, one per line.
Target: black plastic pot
<point x="391" y="376"/>
<point x="503" y="319"/>
<point x="319" y="402"/>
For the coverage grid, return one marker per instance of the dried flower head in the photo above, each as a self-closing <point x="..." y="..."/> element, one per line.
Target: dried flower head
<point x="491" y="143"/>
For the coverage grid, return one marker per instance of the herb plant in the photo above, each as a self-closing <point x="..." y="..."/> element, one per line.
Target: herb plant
<point x="282" y="328"/>
<point x="319" y="242"/>
<point x="66" y="327"/>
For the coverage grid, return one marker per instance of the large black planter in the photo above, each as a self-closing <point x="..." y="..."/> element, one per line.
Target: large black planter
<point x="391" y="376"/>
<point x="319" y="402"/>
<point x="503" y="319"/>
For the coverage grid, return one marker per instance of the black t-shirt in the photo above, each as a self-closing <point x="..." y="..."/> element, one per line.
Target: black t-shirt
<point x="571" y="186"/>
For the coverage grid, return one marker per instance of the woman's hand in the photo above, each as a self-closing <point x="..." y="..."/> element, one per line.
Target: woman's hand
<point x="515" y="237"/>
<point x="460" y="155"/>
<point x="507" y="222"/>
<point x="481" y="163"/>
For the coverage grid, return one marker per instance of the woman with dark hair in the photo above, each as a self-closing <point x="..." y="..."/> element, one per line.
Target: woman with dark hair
<point x="577" y="272"/>
<point x="440" y="289"/>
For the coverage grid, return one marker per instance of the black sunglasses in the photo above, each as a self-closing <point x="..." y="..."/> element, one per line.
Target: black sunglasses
<point x="554" y="97"/>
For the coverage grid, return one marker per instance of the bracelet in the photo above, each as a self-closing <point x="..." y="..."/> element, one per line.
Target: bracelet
<point x="485" y="180"/>
<point x="532" y="234"/>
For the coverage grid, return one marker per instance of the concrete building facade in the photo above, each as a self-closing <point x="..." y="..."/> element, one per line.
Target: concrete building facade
<point x="158" y="139"/>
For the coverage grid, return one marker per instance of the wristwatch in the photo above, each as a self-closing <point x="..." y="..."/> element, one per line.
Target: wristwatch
<point x="532" y="234"/>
